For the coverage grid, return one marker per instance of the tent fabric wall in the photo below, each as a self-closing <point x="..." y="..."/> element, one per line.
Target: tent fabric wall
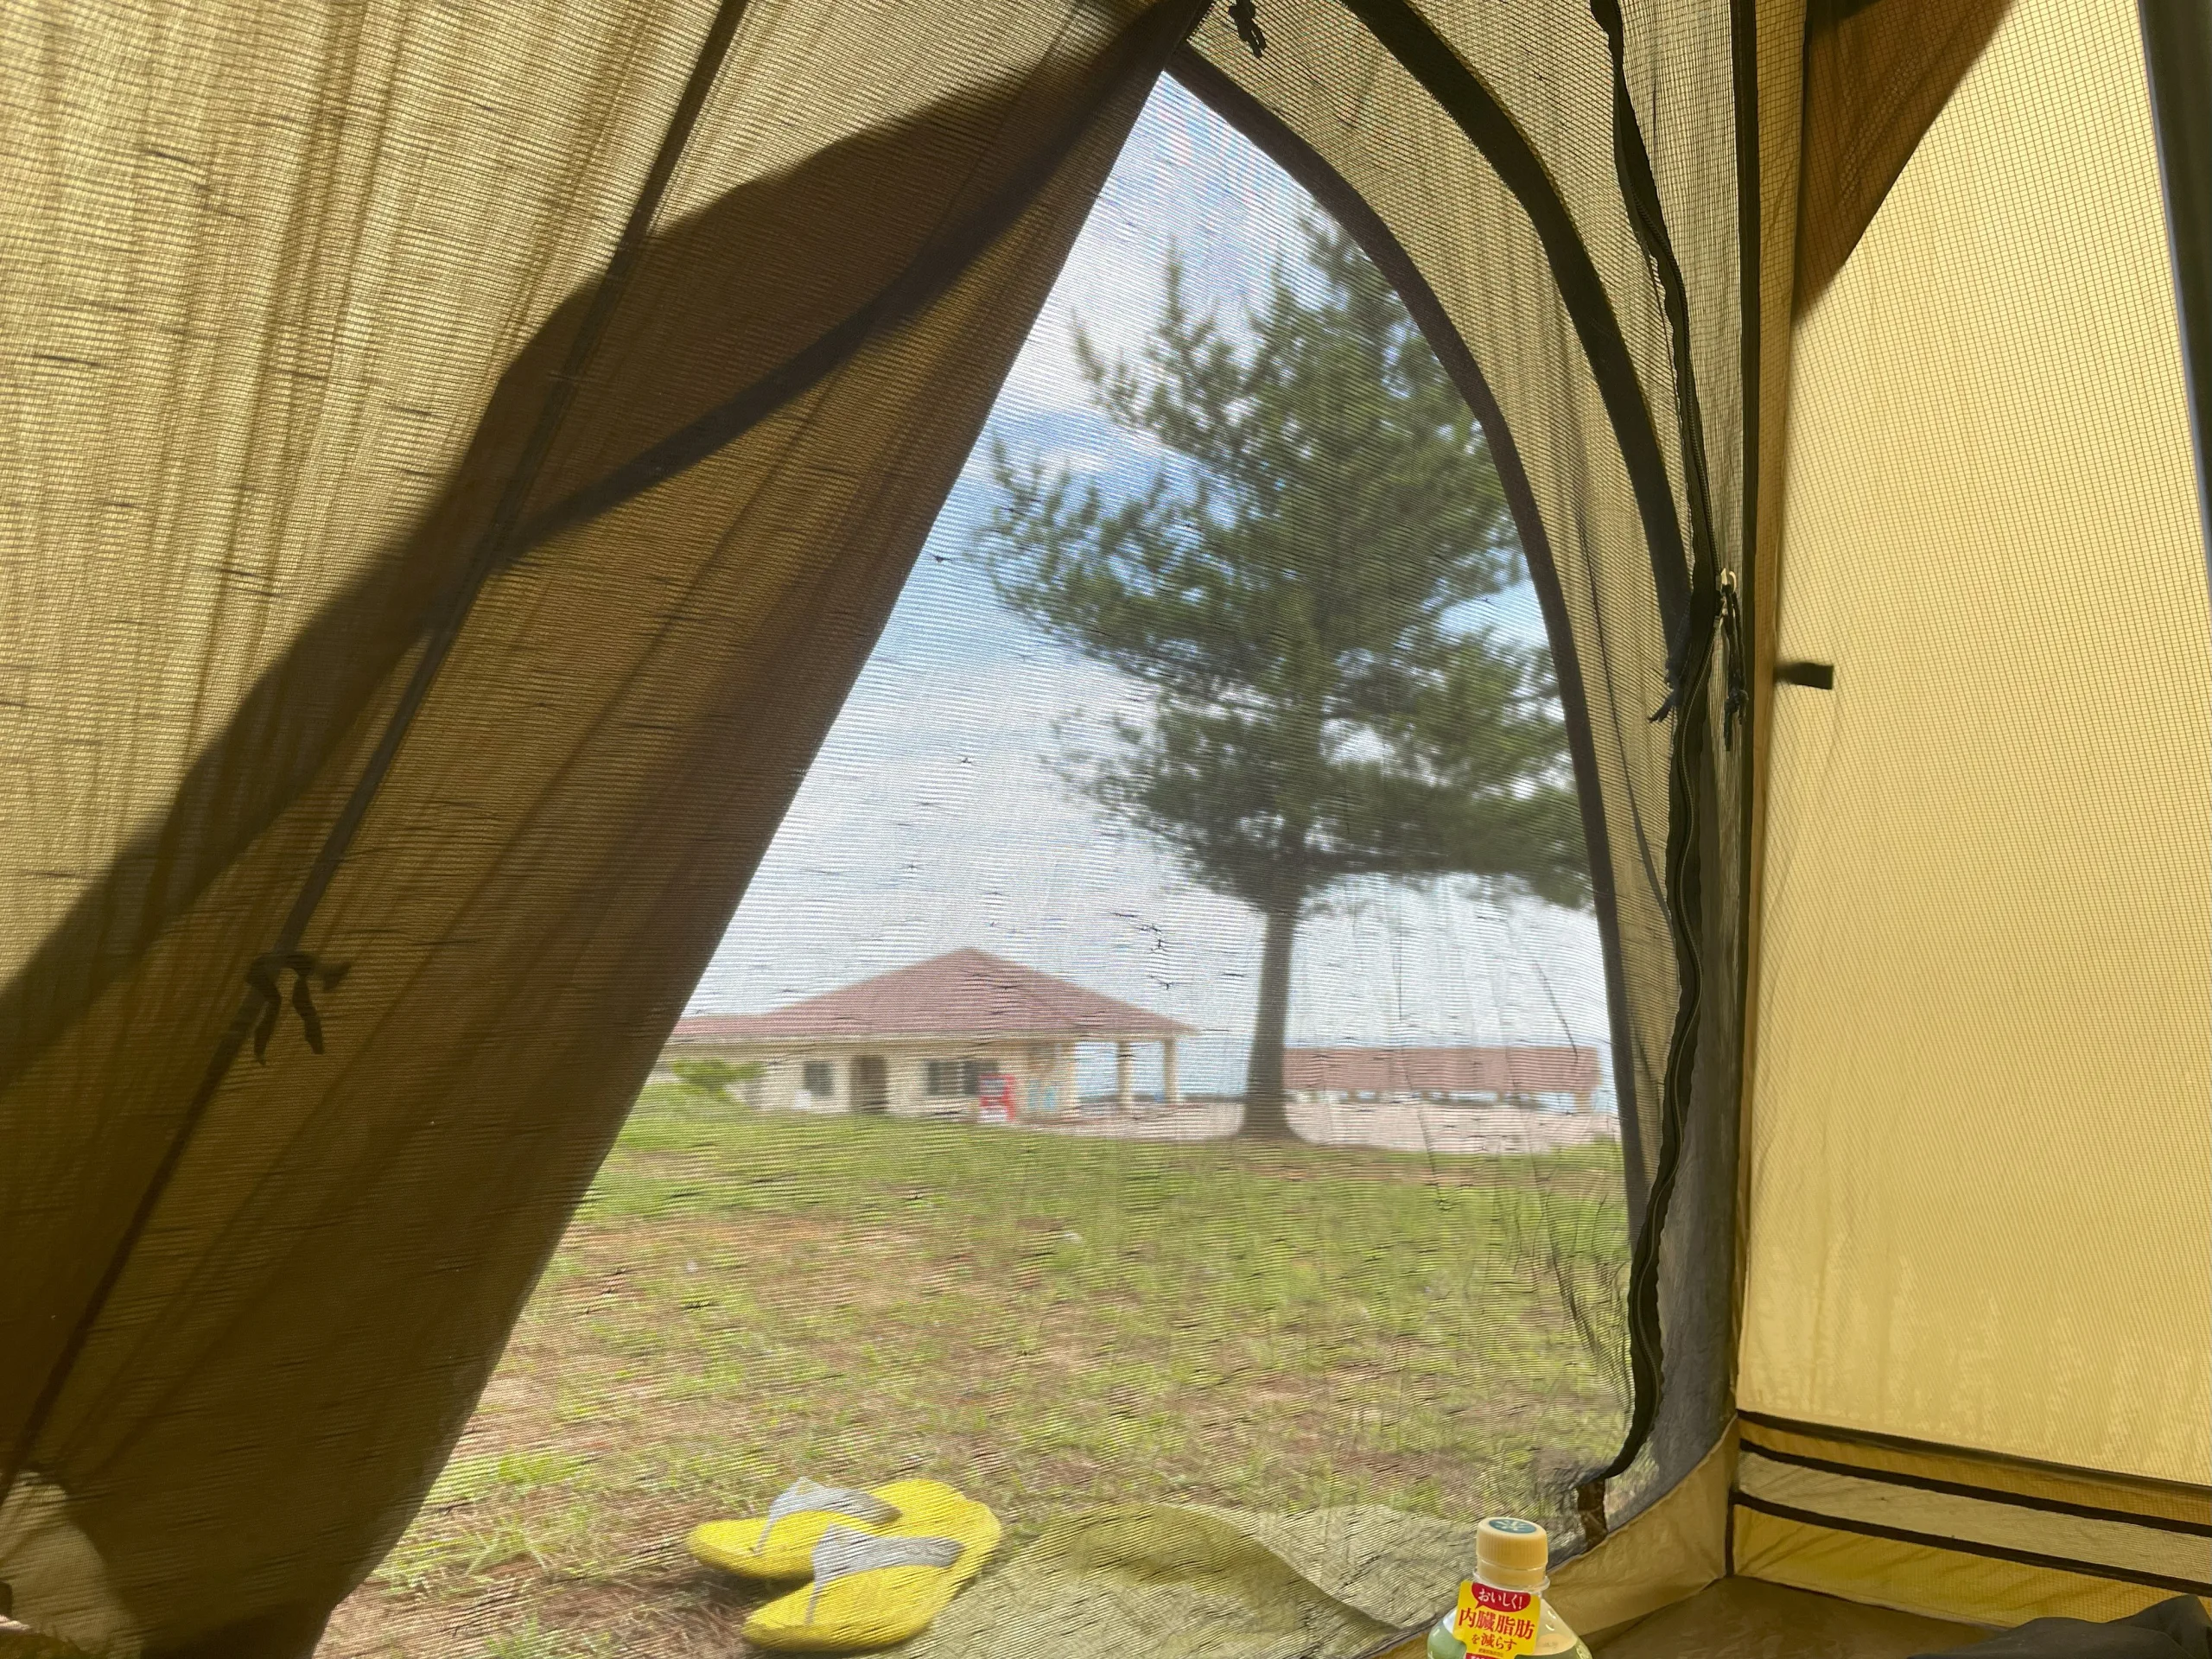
<point x="1875" y="76"/>
<point x="1978" y="1164"/>
<point x="248" y="1415"/>
<point x="1985" y="1010"/>
<point x="1673" y="1547"/>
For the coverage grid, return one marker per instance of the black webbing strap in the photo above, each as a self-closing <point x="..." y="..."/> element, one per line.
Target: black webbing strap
<point x="1462" y="94"/>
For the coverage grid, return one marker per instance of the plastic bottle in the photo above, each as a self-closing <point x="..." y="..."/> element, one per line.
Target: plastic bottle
<point x="1511" y="1556"/>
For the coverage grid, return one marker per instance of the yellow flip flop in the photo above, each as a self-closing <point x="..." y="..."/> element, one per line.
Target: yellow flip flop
<point x="871" y="1590"/>
<point x="780" y="1544"/>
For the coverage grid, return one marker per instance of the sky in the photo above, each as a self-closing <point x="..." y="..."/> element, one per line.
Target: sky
<point x="934" y="816"/>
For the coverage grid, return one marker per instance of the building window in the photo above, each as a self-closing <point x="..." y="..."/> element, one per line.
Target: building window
<point x="957" y="1079"/>
<point x="815" y="1079"/>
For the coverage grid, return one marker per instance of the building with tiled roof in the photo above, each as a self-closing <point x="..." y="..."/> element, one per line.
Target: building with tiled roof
<point x="964" y="1033"/>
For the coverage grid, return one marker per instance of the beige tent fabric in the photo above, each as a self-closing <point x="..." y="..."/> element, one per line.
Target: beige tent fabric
<point x="1981" y="1175"/>
<point x="1823" y="1530"/>
<point x="1846" y="89"/>
<point x="348" y="294"/>
<point x="231" y="404"/>
<point x="1671" y="1550"/>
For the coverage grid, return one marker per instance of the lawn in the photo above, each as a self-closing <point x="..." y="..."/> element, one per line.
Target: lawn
<point x="1049" y="1322"/>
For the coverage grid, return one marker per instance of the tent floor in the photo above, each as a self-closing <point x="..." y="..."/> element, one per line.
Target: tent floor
<point x="1745" y="1618"/>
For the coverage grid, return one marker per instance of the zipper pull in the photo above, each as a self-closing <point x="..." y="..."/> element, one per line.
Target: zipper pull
<point x="1737" y="703"/>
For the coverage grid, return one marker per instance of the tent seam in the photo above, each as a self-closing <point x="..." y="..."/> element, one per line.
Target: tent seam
<point x="1905" y="1443"/>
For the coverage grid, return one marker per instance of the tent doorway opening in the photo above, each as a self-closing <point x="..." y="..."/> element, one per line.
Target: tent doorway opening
<point x="1163" y="1065"/>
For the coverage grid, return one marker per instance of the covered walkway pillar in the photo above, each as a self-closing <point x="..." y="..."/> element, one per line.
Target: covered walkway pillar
<point x="1124" y="1067"/>
<point x="1171" y="1081"/>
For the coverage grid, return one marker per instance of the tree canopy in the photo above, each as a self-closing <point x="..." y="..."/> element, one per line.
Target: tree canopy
<point x="1297" y="584"/>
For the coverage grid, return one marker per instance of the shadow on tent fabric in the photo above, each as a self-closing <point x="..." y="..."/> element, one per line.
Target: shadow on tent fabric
<point x="1877" y="73"/>
<point x="243" y="1452"/>
<point x="704" y="309"/>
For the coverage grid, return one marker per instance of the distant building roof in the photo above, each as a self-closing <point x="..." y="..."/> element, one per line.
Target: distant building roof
<point x="1444" y="1070"/>
<point x="962" y="994"/>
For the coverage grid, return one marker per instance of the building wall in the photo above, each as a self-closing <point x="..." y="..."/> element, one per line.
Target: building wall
<point x="1043" y="1074"/>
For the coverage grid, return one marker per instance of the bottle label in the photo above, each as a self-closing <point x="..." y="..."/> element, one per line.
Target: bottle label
<point x="1494" y="1624"/>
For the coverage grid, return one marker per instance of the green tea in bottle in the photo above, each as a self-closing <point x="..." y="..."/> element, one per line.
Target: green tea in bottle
<point x="1502" y="1612"/>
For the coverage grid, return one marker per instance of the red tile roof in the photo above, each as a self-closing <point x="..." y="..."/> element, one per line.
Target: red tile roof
<point x="1443" y="1071"/>
<point x="961" y="994"/>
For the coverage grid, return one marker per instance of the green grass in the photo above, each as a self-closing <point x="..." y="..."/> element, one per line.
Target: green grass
<point x="1047" y="1321"/>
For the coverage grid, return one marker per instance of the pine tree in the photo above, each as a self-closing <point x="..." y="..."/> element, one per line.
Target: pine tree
<point x="1293" y="587"/>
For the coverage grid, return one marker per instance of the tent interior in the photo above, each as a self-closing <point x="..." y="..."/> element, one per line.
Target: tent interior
<point x="1665" y="544"/>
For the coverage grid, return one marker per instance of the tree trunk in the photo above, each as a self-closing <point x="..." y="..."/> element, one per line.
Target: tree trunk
<point x="1265" y="1117"/>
